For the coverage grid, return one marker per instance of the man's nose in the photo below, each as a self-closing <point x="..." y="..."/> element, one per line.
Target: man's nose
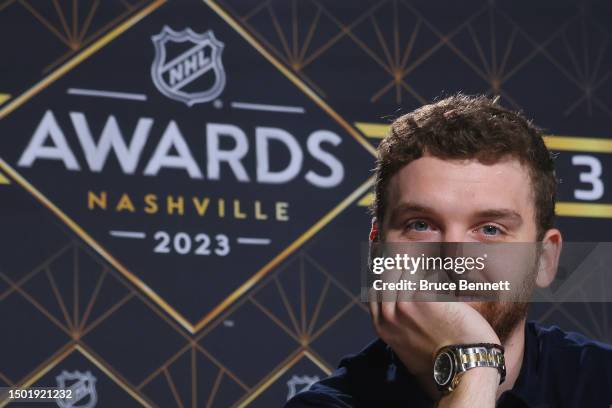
<point x="452" y="245"/>
<point x="454" y="234"/>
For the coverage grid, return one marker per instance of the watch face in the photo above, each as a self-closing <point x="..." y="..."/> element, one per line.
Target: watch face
<point x="443" y="368"/>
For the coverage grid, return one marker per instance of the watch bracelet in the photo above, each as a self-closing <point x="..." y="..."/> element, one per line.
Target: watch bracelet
<point x="466" y="355"/>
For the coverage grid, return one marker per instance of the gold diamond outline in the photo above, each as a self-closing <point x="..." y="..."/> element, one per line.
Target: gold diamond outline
<point x="88" y="356"/>
<point x="148" y="291"/>
<point x="278" y="372"/>
<point x="80" y="57"/>
<point x="135" y="280"/>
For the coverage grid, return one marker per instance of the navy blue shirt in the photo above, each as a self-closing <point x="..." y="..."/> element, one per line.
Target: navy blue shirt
<point x="560" y="369"/>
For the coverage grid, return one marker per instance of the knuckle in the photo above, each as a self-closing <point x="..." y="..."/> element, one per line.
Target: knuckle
<point x="406" y="308"/>
<point x="388" y="312"/>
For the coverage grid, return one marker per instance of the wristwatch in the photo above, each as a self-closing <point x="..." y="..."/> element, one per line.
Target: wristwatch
<point x="452" y="361"/>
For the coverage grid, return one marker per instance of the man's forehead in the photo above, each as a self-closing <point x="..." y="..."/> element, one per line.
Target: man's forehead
<point x="431" y="181"/>
<point x="505" y="164"/>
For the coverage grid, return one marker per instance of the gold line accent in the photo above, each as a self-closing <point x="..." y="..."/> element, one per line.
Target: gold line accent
<point x="6" y="4"/>
<point x="105" y="254"/>
<point x="318" y="361"/>
<point x="345" y="309"/>
<point x="215" y="388"/>
<point x="382" y="42"/>
<point x="92" y="300"/>
<point x="44" y="22"/>
<point x="7" y="380"/>
<point x="112" y="376"/>
<point x="216" y="362"/>
<point x="39" y="372"/>
<point x="373" y="130"/>
<point x="366" y="200"/>
<point x="164" y="365"/>
<point x="59" y="299"/>
<point x="295" y="29"/>
<point x="275" y="319"/>
<point x="75" y="17"/>
<point x="302" y="298"/>
<point x="589" y="210"/>
<point x="295" y="244"/>
<point x="62" y="18"/>
<point x="288" y="305"/>
<point x="85" y="38"/>
<point x="254" y="10"/>
<point x="315" y="315"/>
<point x="75" y="287"/>
<point x="296" y="81"/>
<point x="38" y="269"/>
<point x="4" y="97"/>
<point x="194" y="379"/>
<point x="62" y="356"/>
<point x="336" y="282"/>
<point x="279" y="372"/>
<point x="563" y="208"/>
<point x="91" y="242"/>
<point x="230" y="310"/>
<point x="4" y="179"/>
<point x="175" y="393"/>
<point x="150" y="292"/>
<point x="21" y="99"/>
<point x="87" y="22"/>
<point x="578" y="144"/>
<point x="553" y="142"/>
<point x="116" y="306"/>
<point x="279" y="31"/>
<point x="36" y="304"/>
<point x="311" y="30"/>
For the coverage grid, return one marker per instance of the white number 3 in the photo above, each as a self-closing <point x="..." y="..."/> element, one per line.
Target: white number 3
<point x="591" y="177"/>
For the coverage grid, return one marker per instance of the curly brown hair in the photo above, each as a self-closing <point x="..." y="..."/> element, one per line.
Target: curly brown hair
<point x="468" y="127"/>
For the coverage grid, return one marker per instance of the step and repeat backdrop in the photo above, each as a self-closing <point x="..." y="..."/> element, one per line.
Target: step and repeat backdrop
<point x="184" y="184"/>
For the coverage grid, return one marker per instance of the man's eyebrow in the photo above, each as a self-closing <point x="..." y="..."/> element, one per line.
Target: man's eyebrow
<point x="492" y="213"/>
<point x="500" y="213"/>
<point x="411" y="207"/>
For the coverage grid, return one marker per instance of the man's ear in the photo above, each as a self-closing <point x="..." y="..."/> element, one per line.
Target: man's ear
<point x="373" y="247"/>
<point x="374" y="231"/>
<point x="549" y="257"/>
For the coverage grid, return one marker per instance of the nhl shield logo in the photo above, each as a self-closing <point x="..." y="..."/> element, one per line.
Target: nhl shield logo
<point x="83" y="387"/>
<point x="187" y="66"/>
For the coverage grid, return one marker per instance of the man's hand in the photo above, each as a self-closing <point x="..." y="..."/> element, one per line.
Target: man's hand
<point x="416" y="330"/>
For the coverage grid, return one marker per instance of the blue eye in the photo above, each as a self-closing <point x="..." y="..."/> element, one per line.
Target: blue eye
<point x="490" y="230"/>
<point x="418" y="225"/>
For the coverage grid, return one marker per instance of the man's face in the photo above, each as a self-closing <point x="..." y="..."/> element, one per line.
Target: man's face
<point x="438" y="200"/>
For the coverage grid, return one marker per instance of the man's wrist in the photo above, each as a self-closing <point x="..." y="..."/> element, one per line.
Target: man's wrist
<point x="478" y="387"/>
<point x="487" y="377"/>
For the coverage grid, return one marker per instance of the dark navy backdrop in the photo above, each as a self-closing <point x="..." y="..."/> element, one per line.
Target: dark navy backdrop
<point x="184" y="184"/>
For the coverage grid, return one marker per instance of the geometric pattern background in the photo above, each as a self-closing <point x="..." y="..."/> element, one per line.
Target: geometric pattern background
<point x="65" y="307"/>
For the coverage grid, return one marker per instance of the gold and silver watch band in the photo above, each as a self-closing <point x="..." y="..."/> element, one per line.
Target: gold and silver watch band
<point x="463" y="358"/>
<point x="471" y="356"/>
